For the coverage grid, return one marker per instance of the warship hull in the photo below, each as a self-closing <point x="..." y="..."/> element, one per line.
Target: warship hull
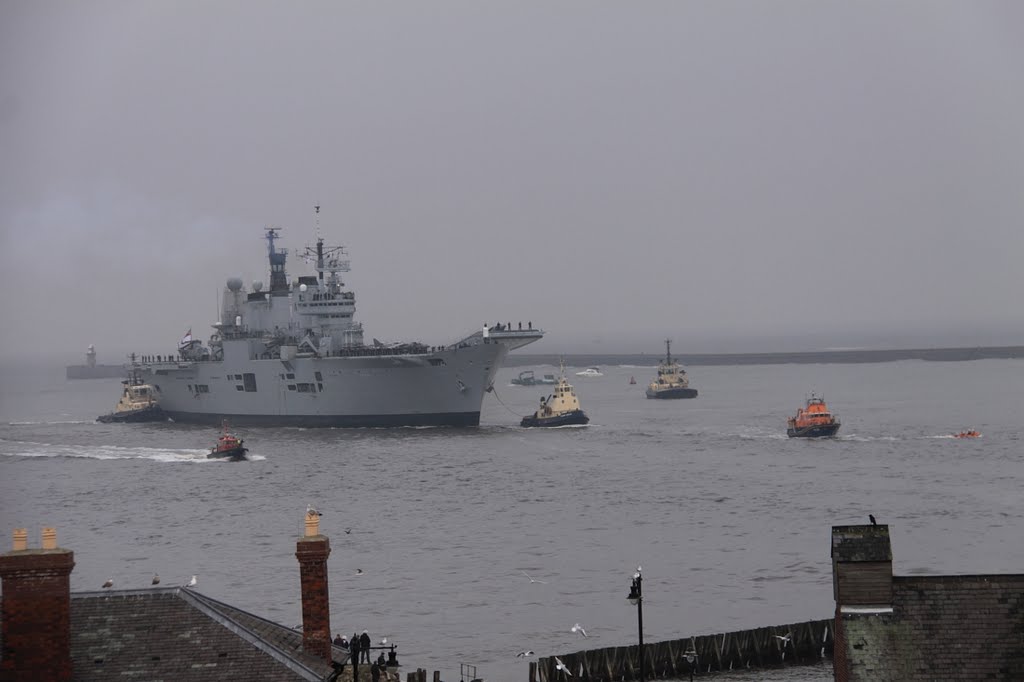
<point x="444" y="387"/>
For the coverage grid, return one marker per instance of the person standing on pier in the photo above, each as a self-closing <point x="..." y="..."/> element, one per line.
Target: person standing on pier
<point x="364" y="646"/>
<point x="353" y="645"/>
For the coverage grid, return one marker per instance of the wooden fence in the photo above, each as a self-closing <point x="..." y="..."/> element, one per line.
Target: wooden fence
<point x="794" y="644"/>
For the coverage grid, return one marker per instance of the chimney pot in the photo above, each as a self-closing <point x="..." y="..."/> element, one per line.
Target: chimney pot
<point x="312" y="524"/>
<point x="20" y="539"/>
<point x="49" y="538"/>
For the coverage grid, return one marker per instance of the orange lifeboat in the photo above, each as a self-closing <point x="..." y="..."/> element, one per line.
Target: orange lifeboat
<point x="813" y="420"/>
<point x="228" y="446"/>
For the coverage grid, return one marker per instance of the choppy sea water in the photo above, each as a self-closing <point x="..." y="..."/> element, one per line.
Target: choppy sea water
<point x="729" y="518"/>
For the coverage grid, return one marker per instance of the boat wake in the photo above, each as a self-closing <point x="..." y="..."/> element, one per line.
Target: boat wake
<point x="111" y="452"/>
<point x="52" y="423"/>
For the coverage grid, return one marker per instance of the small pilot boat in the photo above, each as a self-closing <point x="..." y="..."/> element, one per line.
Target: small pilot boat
<point x="967" y="434"/>
<point x="562" y="408"/>
<point x="228" y="446"/>
<point x="590" y="372"/>
<point x="813" y="421"/>
<point x="525" y="378"/>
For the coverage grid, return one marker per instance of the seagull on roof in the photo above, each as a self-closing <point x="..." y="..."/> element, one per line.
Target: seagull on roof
<point x="533" y="580"/>
<point x="872" y="518"/>
<point x="561" y="666"/>
<point x="523" y="654"/>
<point x="311" y="510"/>
<point x="579" y="629"/>
<point x="384" y="641"/>
<point x="156" y="579"/>
<point x="192" y="582"/>
<point x="109" y="583"/>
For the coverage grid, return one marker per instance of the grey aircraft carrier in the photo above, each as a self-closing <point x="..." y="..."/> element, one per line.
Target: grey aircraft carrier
<point x="293" y="354"/>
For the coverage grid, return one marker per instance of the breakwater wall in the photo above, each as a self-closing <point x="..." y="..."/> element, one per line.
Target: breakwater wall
<point x="803" y="358"/>
<point x="780" y="645"/>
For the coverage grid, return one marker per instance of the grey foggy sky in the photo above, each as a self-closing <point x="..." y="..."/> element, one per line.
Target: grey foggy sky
<point x="735" y="175"/>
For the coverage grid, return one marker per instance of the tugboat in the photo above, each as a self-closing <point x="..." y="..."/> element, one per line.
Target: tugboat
<point x="228" y="446"/>
<point x="562" y="408"/>
<point x="813" y="421"/>
<point x="138" y="402"/>
<point x="671" y="382"/>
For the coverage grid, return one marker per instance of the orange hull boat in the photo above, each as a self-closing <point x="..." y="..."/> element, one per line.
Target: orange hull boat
<point x="813" y="421"/>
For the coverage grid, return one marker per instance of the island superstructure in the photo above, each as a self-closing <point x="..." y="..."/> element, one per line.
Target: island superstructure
<point x="293" y="354"/>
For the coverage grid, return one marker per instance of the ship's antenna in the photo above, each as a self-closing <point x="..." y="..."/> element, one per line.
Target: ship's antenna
<point x="317" y="209"/>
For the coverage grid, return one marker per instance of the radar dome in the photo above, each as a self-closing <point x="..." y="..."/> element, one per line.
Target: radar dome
<point x="303" y="287"/>
<point x="257" y="286"/>
<point x="234" y="284"/>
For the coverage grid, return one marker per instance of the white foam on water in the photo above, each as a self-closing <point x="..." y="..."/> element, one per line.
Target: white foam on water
<point x="43" y="423"/>
<point x="107" y="452"/>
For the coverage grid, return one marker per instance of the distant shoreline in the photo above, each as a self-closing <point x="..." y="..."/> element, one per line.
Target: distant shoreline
<point x="843" y="357"/>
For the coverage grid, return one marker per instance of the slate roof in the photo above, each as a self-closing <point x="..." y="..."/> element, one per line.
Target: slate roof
<point x="963" y="627"/>
<point x="178" y="634"/>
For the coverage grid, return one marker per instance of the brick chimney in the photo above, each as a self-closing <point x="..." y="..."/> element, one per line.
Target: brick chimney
<point x="36" y="609"/>
<point x="861" y="580"/>
<point x="312" y="551"/>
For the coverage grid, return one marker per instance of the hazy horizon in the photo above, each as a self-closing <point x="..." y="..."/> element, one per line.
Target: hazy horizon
<point x="737" y="176"/>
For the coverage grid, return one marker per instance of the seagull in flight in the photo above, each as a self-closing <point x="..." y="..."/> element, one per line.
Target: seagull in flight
<point x="784" y="638"/>
<point x="533" y="580"/>
<point x="156" y="579"/>
<point x="523" y="654"/>
<point x="109" y="583"/>
<point x="359" y="571"/>
<point x="561" y="666"/>
<point x="192" y="582"/>
<point x="348" y="531"/>
<point x="311" y="510"/>
<point x="579" y="628"/>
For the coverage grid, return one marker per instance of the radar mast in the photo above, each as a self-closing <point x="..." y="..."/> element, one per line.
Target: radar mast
<point x="326" y="259"/>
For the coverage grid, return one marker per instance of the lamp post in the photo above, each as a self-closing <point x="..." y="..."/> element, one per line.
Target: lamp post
<point x="636" y="597"/>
